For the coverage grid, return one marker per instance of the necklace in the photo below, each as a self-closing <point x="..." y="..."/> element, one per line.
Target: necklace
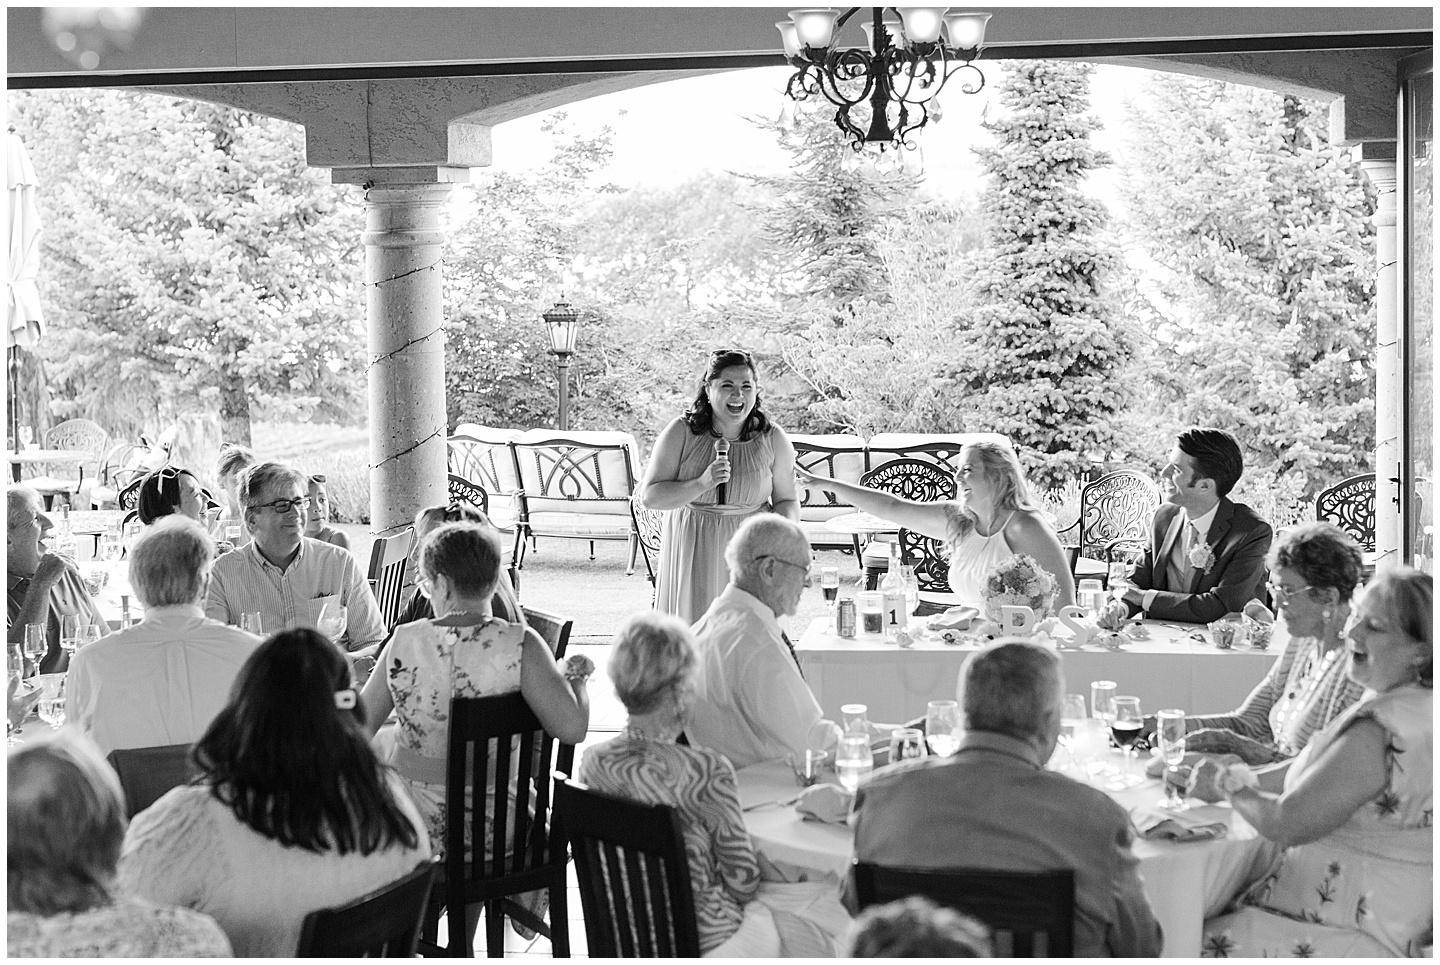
<point x="640" y="733"/>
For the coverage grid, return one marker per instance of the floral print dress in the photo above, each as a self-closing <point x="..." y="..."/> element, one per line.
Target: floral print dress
<point x="1366" y="888"/>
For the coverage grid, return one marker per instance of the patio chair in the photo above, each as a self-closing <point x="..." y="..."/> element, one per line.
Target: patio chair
<point x="498" y="747"/>
<point x="87" y="440"/>
<point x="116" y="472"/>
<point x="553" y="629"/>
<point x="463" y="489"/>
<point x="917" y="479"/>
<point x="1031" y="914"/>
<point x="932" y="571"/>
<point x="1117" y="506"/>
<point x="839" y="457"/>
<point x="383" y="924"/>
<point x="635" y="888"/>
<point x="1350" y="504"/>
<point x="482" y="456"/>
<point x="388" y="555"/>
<point x="146" y="773"/>
<point x="649" y="525"/>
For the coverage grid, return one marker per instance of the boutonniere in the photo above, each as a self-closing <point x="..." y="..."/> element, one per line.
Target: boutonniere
<point x="1202" y="557"/>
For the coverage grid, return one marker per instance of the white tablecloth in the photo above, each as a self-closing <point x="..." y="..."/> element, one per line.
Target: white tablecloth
<point x="1186" y="883"/>
<point x="1168" y="670"/>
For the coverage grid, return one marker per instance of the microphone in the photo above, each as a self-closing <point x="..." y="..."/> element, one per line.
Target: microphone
<point x="722" y="451"/>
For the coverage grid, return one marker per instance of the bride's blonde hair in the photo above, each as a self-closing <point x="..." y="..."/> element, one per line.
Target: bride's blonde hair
<point x="1002" y="471"/>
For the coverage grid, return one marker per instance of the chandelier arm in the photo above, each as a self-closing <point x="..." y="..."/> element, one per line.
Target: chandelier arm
<point x="972" y="86"/>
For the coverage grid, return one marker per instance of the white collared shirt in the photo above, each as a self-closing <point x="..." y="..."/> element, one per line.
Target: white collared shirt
<point x="751" y="704"/>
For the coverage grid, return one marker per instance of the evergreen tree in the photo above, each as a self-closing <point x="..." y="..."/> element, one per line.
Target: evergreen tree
<point x="1046" y="340"/>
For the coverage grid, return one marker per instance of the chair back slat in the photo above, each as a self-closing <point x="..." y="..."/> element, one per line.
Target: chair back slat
<point x="382" y="924"/>
<point x="146" y="773"/>
<point x="388" y="555"/>
<point x="635" y="888"/>
<point x="553" y="629"/>
<point x="1031" y="914"/>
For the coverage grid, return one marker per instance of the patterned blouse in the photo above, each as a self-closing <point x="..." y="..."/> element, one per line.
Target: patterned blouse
<point x="700" y="783"/>
<point x="1304" y="691"/>
<point x="128" y="928"/>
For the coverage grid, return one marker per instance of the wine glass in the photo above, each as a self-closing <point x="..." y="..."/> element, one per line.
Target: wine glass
<point x="90" y="633"/>
<point x="820" y="742"/>
<point x="853" y="761"/>
<point x="36" y="645"/>
<point x="1072" y="712"/>
<point x="1126" y="727"/>
<point x="1170" y="735"/>
<point x="69" y="632"/>
<point x="830" y="584"/>
<point x="250" y="623"/>
<point x="52" y="699"/>
<point x="942" y="727"/>
<point x="1102" y="708"/>
<point x="334" y="618"/>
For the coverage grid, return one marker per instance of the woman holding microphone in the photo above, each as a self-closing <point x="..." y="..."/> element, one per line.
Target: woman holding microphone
<point x="721" y="461"/>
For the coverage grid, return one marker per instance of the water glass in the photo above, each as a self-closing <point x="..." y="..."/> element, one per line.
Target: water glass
<point x="853" y="761"/>
<point x="1090" y="747"/>
<point x="1072" y="713"/>
<point x="856" y="723"/>
<point x="1102" y="700"/>
<point x="905" y="743"/>
<point x="52" y="698"/>
<point x="1170" y="737"/>
<point x="820" y="744"/>
<point x="942" y="727"/>
<point x="250" y="623"/>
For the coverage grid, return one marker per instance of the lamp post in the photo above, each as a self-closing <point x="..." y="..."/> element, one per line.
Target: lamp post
<point x="562" y="322"/>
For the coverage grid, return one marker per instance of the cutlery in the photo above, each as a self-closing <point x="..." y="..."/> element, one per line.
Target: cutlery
<point x="765" y="804"/>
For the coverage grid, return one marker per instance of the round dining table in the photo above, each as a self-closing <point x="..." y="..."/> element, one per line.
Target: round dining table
<point x="1186" y="883"/>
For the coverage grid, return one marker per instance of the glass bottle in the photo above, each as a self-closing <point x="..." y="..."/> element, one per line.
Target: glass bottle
<point x="912" y="588"/>
<point x="124" y="611"/>
<point x="893" y="594"/>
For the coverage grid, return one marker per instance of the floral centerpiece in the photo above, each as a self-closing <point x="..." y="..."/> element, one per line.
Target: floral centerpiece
<point x="1018" y="581"/>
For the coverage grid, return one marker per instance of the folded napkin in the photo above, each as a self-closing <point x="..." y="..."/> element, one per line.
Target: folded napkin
<point x="955" y="618"/>
<point x="1181" y="826"/>
<point x="829" y="803"/>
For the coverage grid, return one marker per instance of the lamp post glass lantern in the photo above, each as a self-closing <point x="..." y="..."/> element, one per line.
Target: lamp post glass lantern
<point x="563" y="323"/>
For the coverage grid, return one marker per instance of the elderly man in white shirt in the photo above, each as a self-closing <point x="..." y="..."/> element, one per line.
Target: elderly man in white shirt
<point x="751" y="702"/>
<point x="163" y="680"/>
<point x="287" y="577"/>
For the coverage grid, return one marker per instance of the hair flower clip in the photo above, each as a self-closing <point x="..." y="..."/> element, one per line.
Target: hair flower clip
<point x="1202" y="557"/>
<point x="345" y="699"/>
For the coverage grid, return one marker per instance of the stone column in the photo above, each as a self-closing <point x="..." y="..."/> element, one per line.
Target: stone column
<point x="404" y="255"/>
<point x="1389" y="388"/>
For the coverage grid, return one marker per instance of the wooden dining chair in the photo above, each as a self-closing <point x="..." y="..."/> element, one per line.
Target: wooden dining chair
<point x="388" y="555"/>
<point x="383" y="924"/>
<point x="635" y="889"/>
<point x="146" y="773"/>
<point x="553" y="629"/>
<point x="498" y="747"/>
<point x="1031" y="914"/>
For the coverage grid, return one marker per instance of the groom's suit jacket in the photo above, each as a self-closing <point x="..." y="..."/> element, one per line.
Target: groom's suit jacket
<point x="1238" y="538"/>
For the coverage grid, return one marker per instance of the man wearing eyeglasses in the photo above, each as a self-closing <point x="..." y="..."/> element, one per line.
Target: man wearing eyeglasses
<point x="1206" y="554"/>
<point x="283" y="575"/>
<point x="751" y="702"/>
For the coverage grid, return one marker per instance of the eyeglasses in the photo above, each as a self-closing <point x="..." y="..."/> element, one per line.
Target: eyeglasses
<point x="282" y="506"/>
<point x="805" y="567"/>
<point x="1282" y="594"/>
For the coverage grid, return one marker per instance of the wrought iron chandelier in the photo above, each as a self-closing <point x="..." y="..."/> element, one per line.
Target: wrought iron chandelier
<point x="886" y="93"/>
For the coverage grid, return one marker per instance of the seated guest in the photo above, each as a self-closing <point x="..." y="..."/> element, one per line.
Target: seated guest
<point x="1206" y="555"/>
<point x="172" y="491"/>
<point x="234" y="460"/>
<point x="505" y="604"/>
<point x="164" y="679"/>
<point x="994" y="805"/>
<point x="916" y="927"/>
<point x="652" y="665"/>
<point x="1313" y="572"/>
<point x="1355" y="878"/>
<point x="283" y="575"/>
<point x="991" y="520"/>
<point x="317" y="517"/>
<point x="65" y="818"/>
<point x="751" y="702"/>
<point x="292" y="811"/>
<point x="465" y="651"/>
<point x="41" y="587"/>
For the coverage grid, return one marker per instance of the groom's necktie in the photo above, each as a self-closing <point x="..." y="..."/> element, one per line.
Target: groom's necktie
<point x="793" y="656"/>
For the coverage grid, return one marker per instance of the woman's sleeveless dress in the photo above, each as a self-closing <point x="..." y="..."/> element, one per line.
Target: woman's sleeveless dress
<point x="972" y="557"/>
<point x="692" y="545"/>
<point x="1366" y="888"/>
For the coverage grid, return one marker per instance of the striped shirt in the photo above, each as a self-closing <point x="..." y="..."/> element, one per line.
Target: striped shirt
<point x="243" y="581"/>
<point x="1304" y="690"/>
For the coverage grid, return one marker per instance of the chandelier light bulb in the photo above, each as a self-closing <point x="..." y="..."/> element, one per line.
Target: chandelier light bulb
<point x="922" y="24"/>
<point x="891" y="27"/>
<point x="966" y="30"/>
<point x="789" y="39"/>
<point x="814" y="26"/>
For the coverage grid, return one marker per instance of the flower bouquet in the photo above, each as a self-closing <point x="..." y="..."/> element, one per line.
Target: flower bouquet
<point x="1018" y="581"/>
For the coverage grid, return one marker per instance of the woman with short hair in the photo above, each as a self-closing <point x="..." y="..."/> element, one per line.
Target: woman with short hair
<point x="505" y="604"/>
<point x="65" y="818"/>
<point x="292" y="812"/>
<point x="652" y="665"/>
<point x="1355" y="878"/>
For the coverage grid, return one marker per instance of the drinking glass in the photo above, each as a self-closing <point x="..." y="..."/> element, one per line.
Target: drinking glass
<point x="90" y="633"/>
<point x="1102" y="700"/>
<point x="36" y="645"/>
<point x="70" y="632"/>
<point x="905" y="743"/>
<point x="250" y="622"/>
<point x="853" y="761"/>
<point x="856" y="722"/>
<point x="233" y="533"/>
<point x="1072" y="712"/>
<point x="1126" y="727"/>
<point x="1170" y="736"/>
<point x="52" y="698"/>
<point x="942" y="727"/>
<point x="830" y="584"/>
<point x="1091" y="745"/>
<point x="333" y="620"/>
<point x="820" y="742"/>
<point x="1123" y="560"/>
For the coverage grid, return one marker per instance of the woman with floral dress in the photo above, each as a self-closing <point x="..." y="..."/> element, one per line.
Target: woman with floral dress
<point x="465" y="651"/>
<point x="1354" y="820"/>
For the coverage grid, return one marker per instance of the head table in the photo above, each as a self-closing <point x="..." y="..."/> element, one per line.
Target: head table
<point x="1168" y="669"/>
<point x="1186" y="883"/>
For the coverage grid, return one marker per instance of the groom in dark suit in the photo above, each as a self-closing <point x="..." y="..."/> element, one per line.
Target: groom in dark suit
<point x="1206" y="554"/>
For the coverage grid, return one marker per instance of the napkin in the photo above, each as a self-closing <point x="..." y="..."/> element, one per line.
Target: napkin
<point x="828" y="803"/>
<point x="1157" y="824"/>
<point x="955" y="618"/>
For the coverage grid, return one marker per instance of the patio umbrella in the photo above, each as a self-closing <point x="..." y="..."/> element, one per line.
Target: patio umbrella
<point x="26" y="322"/>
